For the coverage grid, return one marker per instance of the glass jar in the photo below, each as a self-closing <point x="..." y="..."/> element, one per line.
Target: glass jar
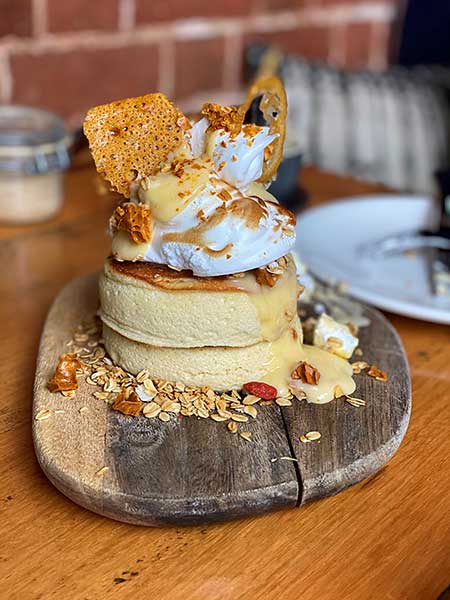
<point x="34" y="152"/>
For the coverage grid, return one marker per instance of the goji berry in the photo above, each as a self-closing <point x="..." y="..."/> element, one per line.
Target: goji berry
<point x="260" y="389"/>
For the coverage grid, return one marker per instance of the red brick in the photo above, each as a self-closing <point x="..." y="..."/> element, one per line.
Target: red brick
<point x="148" y="11"/>
<point x="274" y="5"/>
<point x="310" y="42"/>
<point x="199" y="66"/>
<point x="357" y="42"/>
<point x="75" y="15"/>
<point x="71" y="82"/>
<point x="15" y="17"/>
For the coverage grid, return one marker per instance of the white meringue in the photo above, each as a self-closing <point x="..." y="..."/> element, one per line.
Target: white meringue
<point x="239" y="159"/>
<point x="208" y="214"/>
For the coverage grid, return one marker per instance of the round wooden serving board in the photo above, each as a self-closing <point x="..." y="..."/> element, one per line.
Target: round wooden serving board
<point x="193" y="470"/>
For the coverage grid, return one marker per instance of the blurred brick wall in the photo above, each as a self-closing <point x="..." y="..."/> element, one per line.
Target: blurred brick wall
<point x="67" y="55"/>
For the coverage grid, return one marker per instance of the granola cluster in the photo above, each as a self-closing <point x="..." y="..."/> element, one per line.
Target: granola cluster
<point x="65" y="376"/>
<point x="133" y="218"/>
<point x="229" y="118"/>
<point x="270" y="274"/>
<point x="133" y="395"/>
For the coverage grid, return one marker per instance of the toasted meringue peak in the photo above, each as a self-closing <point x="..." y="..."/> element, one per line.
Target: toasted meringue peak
<point x="208" y="213"/>
<point x="239" y="159"/>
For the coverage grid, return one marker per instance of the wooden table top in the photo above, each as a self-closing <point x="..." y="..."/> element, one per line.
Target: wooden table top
<point x="387" y="537"/>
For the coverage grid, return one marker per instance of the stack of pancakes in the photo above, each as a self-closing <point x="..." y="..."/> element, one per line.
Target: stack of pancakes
<point x="215" y="331"/>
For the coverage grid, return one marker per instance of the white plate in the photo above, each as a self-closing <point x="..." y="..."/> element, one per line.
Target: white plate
<point x="328" y="239"/>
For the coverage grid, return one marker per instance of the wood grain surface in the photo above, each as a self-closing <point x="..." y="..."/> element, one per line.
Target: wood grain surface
<point x="387" y="537"/>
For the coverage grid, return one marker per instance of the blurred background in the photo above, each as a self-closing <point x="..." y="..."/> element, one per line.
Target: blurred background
<point x="368" y="85"/>
<point x="67" y="55"/>
<point x="367" y="80"/>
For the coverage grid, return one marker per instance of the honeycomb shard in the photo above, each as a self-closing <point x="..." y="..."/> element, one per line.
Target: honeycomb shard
<point x="132" y="138"/>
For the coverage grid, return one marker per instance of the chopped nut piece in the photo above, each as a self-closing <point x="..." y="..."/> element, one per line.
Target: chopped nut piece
<point x="263" y="277"/>
<point x="224" y="195"/>
<point x="306" y="373"/>
<point x="229" y="118"/>
<point x="178" y="167"/>
<point x="133" y="218"/>
<point x="65" y="377"/>
<point x="128" y="405"/>
<point x="377" y="373"/>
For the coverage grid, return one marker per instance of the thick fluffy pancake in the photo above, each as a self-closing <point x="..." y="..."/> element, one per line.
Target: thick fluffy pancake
<point x="155" y="305"/>
<point x="217" y="367"/>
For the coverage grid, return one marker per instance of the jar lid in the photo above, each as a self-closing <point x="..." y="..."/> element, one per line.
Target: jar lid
<point x="32" y="141"/>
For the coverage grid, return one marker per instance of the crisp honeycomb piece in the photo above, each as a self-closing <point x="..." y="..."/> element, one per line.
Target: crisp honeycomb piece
<point x="131" y="139"/>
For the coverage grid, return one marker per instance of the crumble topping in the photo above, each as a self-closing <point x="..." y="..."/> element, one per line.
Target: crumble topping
<point x="229" y="118"/>
<point x="65" y="376"/>
<point x="133" y="218"/>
